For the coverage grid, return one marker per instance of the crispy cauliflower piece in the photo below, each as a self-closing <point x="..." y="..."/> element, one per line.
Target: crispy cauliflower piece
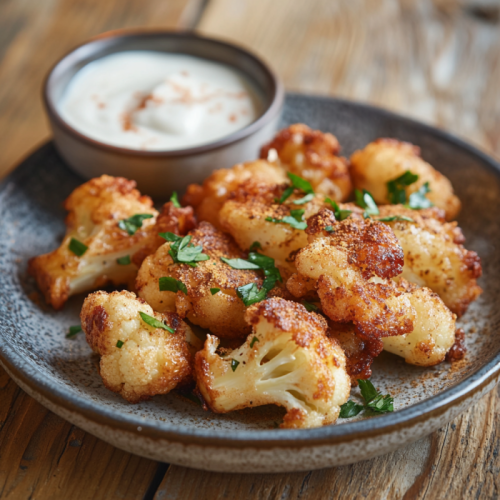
<point x="209" y="198"/>
<point x="222" y="312"/>
<point x="434" y="255"/>
<point x="433" y="332"/>
<point x="137" y="360"/>
<point x="244" y="217"/>
<point x="95" y="209"/>
<point x="312" y="155"/>
<point x="287" y="360"/>
<point x="386" y="159"/>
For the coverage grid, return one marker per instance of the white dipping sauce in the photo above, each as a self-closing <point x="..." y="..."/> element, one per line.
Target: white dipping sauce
<point x="158" y="101"/>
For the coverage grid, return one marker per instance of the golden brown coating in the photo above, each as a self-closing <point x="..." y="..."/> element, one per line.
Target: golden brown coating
<point x="223" y="312"/>
<point x="435" y="256"/>
<point x="209" y="198"/>
<point x="137" y="360"/>
<point x="312" y="155"/>
<point x="287" y="360"/>
<point x="244" y="217"/>
<point x="95" y="209"/>
<point x="386" y="159"/>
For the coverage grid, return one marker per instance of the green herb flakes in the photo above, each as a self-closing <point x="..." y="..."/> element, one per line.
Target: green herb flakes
<point x="132" y="224"/>
<point x="234" y="364"/>
<point x="329" y="229"/>
<point x="396" y="218"/>
<point x="375" y="403"/>
<point x="250" y="294"/>
<point x="350" y="409"/>
<point x="119" y="344"/>
<point x="168" y="284"/>
<point x="175" y="200"/>
<point x="255" y="246"/>
<point x="310" y="306"/>
<point x="255" y="339"/>
<point x="340" y="215"/>
<point x="397" y="187"/>
<point x="239" y="263"/>
<point x="149" y="320"/>
<point x="213" y="291"/>
<point x="124" y="261"/>
<point x="77" y="247"/>
<point x="182" y="251"/>
<point x="73" y="330"/>
<point x="365" y="200"/>
<point x="418" y="200"/>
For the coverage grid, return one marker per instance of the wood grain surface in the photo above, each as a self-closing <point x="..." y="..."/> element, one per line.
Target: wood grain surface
<point x="438" y="61"/>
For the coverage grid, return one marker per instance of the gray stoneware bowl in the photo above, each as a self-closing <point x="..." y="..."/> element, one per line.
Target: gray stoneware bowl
<point x="160" y="172"/>
<point x="61" y="373"/>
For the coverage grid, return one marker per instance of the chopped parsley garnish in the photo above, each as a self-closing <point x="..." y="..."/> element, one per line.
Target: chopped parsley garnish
<point x="255" y="339"/>
<point x="182" y="251"/>
<point x="396" y="187"/>
<point x="294" y="219"/>
<point x="375" y="402"/>
<point x="329" y="229"/>
<point x="301" y="185"/>
<point x="250" y="294"/>
<point x="309" y="306"/>
<point x="418" y="200"/>
<point x="339" y="214"/>
<point x="239" y="263"/>
<point x="119" y="344"/>
<point x="73" y="330"/>
<point x="396" y="218"/>
<point x="132" y="224"/>
<point x="77" y="247"/>
<point x="255" y="246"/>
<point x="149" y="320"/>
<point x="168" y="284"/>
<point x="234" y="364"/>
<point x="365" y="200"/>
<point x="175" y="200"/>
<point x="213" y="291"/>
<point x="124" y="261"/>
<point x="193" y="397"/>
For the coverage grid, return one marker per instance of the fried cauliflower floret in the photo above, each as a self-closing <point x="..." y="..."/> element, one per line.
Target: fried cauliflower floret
<point x="287" y="360"/>
<point x="386" y="159"/>
<point x="209" y="198"/>
<point x="433" y="332"/>
<point x="244" y="217"/>
<point x="137" y="360"/>
<point x="95" y="209"/>
<point x="312" y="155"/>
<point x="221" y="312"/>
<point x="434" y="255"/>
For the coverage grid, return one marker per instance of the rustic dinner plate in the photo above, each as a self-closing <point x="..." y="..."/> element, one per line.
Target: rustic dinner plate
<point x="61" y="373"/>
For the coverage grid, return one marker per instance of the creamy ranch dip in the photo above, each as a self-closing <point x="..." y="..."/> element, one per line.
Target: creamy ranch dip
<point x="157" y="101"/>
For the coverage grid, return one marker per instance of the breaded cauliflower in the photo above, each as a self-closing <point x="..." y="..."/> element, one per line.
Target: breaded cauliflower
<point x="434" y="254"/>
<point x="312" y="155"/>
<point x="287" y="360"/>
<point x="137" y="360"/>
<point x="209" y="198"/>
<point x="221" y="312"/>
<point x="386" y="159"/>
<point x="95" y="210"/>
<point x="245" y="216"/>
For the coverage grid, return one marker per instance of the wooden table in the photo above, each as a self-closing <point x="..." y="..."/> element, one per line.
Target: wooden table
<point x="438" y="61"/>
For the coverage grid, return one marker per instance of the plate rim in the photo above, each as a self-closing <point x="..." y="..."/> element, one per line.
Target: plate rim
<point x="408" y="417"/>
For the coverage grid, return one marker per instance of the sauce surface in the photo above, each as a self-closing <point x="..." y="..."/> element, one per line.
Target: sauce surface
<point x="158" y="101"/>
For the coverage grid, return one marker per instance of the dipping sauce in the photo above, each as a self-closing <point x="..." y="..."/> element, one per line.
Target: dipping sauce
<point x="158" y="101"/>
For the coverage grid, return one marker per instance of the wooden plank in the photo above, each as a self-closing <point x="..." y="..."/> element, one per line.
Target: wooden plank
<point x="43" y="456"/>
<point x="34" y="34"/>
<point x="437" y="61"/>
<point x="432" y="60"/>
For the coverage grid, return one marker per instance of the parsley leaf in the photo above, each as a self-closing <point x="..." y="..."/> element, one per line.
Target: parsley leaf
<point x="73" y="330"/>
<point x="124" y="261"/>
<point x="299" y="183"/>
<point x="77" y="247"/>
<point x="255" y="339"/>
<point x="396" y="187"/>
<point x="119" y="344"/>
<point x="213" y="291"/>
<point x="306" y="199"/>
<point x="365" y="200"/>
<point x="381" y="404"/>
<point x="239" y="263"/>
<point x="368" y="390"/>
<point x="286" y="194"/>
<point x="234" y="364"/>
<point x="175" y="200"/>
<point x="339" y="214"/>
<point x="250" y="294"/>
<point x="350" y="409"/>
<point x="254" y="246"/>
<point x="182" y="251"/>
<point x="168" y="284"/>
<point x="418" y="200"/>
<point x="396" y="218"/>
<point x="309" y="306"/>
<point x="132" y="224"/>
<point x="149" y="320"/>
<point x="329" y="229"/>
<point x="294" y="219"/>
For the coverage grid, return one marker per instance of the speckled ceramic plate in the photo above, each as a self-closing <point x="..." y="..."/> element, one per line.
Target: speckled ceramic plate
<point x="62" y="374"/>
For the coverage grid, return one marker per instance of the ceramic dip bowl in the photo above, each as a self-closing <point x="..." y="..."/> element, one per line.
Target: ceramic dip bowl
<point x="159" y="172"/>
